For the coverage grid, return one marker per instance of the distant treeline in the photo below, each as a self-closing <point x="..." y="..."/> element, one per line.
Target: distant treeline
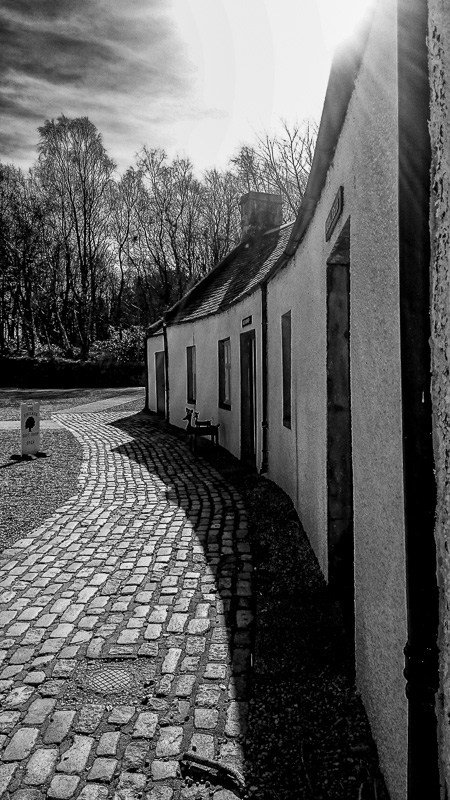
<point x="86" y="255"/>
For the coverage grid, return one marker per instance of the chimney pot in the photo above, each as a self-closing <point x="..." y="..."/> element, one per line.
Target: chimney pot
<point x="260" y="211"/>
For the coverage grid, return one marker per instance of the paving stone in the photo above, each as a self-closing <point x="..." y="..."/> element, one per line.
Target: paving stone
<point x="40" y="766"/>
<point x="208" y="696"/>
<point x="130" y="786"/>
<point x="74" y="759"/>
<point x="6" y="773"/>
<point x="153" y="632"/>
<point x="107" y="745"/>
<point x="45" y="620"/>
<point x="198" y="626"/>
<point x="231" y="752"/>
<point x="27" y="794"/>
<point x="145" y="725"/>
<point x="52" y="688"/>
<point x="164" y="770"/>
<point x="195" y="792"/>
<point x="148" y="649"/>
<point x="89" y="718"/>
<point x="63" y="786"/>
<point x="218" y="652"/>
<point x="21" y="744"/>
<point x="169" y="742"/>
<point x="160" y="793"/>
<point x="205" y="718"/>
<point x="103" y="769"/>
<point x="135" y="754"/>
<point x="93" y="791"/>
<point x="177" y="623"/>
<point x="215" y="671"/>
<point x="95" y="648"/>
<point x="195" y="645"/>
<point x="22" y="655"/>
<point x="39" y="711"/>
<point x="236" y="715"/>
<point x="121" y="715"/>
<point x="184" y="685"/>
<point x="244" y="618"/>
<point x="171" y="660"/>
<point x="52" y="646"/>
<point x="203" y="745"/>
<point x="59" y="726"/>
<point x="8" y="720"/>
<point x="35" y="678"/>
<point x="18" y="696"/>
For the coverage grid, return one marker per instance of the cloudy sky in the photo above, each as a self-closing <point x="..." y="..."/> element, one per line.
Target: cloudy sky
<point x="197" y="77"/>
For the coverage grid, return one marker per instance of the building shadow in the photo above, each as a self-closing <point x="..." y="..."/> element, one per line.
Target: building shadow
<point x="219" y="548"/>
<point x="301" y="727"/>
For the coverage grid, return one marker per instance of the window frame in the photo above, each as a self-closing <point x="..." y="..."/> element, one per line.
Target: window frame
<point x="191" y="374"/>
<point x="224" y="368"/>
<point x="286" y="369"/>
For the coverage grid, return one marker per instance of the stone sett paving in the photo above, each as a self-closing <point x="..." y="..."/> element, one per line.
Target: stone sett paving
<point x="125" y="625"/>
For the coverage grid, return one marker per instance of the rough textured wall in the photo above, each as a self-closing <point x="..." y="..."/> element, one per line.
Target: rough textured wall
<point x="439" y="55"/>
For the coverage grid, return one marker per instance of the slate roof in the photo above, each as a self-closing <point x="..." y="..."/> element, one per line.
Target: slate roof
<point x="235" y="277"/>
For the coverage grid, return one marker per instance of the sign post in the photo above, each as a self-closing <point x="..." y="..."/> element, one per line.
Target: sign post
<point x="30" y="419"/>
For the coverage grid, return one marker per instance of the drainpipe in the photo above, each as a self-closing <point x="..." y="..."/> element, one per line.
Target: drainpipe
<point x="264" y="378"/>
<point x="166" y="369"/>
<point x="421" y="652"/>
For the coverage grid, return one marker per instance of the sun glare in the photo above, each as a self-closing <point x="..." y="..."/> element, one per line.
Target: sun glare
<point x="340" y="19"/>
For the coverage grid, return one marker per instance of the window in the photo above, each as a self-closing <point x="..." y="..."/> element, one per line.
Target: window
<point x="191" y="375"/>
<point x="225" y="373"/>
<point x="286" y="367"/>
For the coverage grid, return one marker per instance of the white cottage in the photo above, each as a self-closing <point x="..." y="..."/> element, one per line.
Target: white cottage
<point x="310" y="344"/>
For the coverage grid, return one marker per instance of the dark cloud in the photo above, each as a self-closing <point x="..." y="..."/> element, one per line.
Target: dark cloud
<point x="100" y="58"/>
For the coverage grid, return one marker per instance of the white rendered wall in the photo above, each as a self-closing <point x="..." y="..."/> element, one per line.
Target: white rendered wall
<point x="366" y="164"/>
<point x="205" y="334"/>
<point x="155" y="344"/>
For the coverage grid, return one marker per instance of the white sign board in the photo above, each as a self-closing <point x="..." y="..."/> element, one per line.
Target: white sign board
<point x="30" y="428"/>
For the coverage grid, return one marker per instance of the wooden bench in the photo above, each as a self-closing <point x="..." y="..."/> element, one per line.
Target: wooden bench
<point x="199" y="427"/>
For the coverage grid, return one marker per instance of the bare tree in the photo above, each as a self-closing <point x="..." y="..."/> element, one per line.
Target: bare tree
<point x="279" y="163"/>
<point x="76" y="172"/>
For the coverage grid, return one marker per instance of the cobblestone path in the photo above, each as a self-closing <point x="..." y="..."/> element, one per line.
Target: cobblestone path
<point x="125" y="625"/>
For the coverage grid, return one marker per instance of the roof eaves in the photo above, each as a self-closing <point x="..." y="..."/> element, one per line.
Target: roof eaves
<point x="341" y="83"/>
<point x="190" y="295"/>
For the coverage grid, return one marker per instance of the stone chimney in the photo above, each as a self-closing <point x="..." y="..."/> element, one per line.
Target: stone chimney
<point x="260" y="211"/>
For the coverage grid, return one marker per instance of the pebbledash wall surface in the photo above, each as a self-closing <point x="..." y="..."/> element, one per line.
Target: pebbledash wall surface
<point x="357" y="154"/>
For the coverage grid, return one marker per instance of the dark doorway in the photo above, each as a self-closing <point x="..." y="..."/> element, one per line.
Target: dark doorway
<point x="160" y="372"/>
<point x="339" y="427"/>
<point x="248" y="398"/>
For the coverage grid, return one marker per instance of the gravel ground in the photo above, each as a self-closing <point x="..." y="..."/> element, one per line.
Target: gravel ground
<point x="32" y="490"/>
<point x="308" y="735"/>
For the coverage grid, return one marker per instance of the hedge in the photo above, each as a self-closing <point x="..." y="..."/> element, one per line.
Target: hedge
<point x="63" y="373"/>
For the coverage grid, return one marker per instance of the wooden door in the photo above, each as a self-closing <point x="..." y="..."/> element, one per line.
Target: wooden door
<point x="339" y="443"/>
<point x="160" y="372"/>
<point x="248" y="397"/>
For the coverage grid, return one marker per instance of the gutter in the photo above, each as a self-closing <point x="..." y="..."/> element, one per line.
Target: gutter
<point x="166" y="369"/>
<point x="264" y="380"/>
<point x="146" y="406"/>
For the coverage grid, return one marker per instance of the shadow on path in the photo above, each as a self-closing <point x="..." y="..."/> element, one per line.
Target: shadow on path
<point x="307" y="733"/>
<point x="220" y="551"/>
